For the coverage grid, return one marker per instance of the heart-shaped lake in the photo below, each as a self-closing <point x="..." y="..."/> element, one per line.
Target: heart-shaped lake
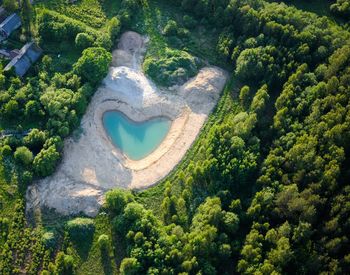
<point x="135" y="139"/>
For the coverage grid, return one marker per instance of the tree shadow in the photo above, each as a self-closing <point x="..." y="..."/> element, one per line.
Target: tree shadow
<point x="106" y="262"/>
<point x="83" y="246"/>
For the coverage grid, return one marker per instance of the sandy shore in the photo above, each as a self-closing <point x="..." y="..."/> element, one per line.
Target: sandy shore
<point x="91" y="165"/>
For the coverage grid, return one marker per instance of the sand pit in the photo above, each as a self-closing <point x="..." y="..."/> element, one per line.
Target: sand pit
<point x="91" y="165"/>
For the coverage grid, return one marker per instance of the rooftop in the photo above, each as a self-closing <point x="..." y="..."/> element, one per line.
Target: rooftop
<point x="28" y="55"/>
<point x="10" y="24"/>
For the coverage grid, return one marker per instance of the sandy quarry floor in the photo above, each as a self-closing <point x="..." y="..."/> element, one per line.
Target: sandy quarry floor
<point x="91" y="165"/>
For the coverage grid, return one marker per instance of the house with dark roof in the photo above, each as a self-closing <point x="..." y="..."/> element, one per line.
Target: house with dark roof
<point x="9" y="25"/>
<point x="27" y="56"/>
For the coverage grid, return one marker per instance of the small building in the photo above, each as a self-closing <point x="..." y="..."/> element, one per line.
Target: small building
<point x="10" y="24"/>
<point x="27" y="56"/>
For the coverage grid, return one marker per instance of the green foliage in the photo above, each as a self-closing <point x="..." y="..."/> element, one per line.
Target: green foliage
<point x="173" y="67"/>
<point x="93" y="65"/>
<point x="23" y="155"/>
<point x="341" y="7"/>
<point x="35" y="139"/>
<point x="49" y="240"/>
<point x="114" y="26"/>
<point x="260" y="100"/>
<point x="117" y="199"/>
<point x="170" y="28"/>
<point x="244" y="95"/>
<point x="21" y="247"/>
<point x="83" y="41"/>
<point x="189" y="21"/>
<point x="256" y="64"/>
<point x="10" y="5"/>
<point x="129" y="266"/>
<point x="263" y="190"/>
<point x="45" y="162"/>
<point x="80" y="229"/>
<point x="104" y="242"/>
<point x="55" y="27"/>
<point x="64" y="264"/>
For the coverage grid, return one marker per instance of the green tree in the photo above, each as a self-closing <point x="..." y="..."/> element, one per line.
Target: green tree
<point x="83" y="41"/>
<point x="45" y="162"/>
<point x="260" y="100"/>
<point x="93" y="65"/>
<point x="244" y="95"/>
<point x="114" y="28"/>
<point x="23" y="155"/>
<point x="10" y="5"/>
<point x="170" y="28"/>
<point x="129" y="266"/>
<point x="117" y="199"/>
<point x="64" y="264"/>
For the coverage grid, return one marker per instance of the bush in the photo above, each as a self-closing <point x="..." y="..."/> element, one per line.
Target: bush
<point x="6" y="150"/>
<point x="189" y="22"/>
<point x="103" y="242"/>
<point x="65" y="264"/>
<point x="93" y="65"/>
<point x="80" y="229"/>
<point x="117" y="199"/>
<point x="83" y="41"/>
<point x="45" y="162"/>
<point x="170" y="28"/>
<point x="174" y="67"/>
<point x="10" y="5"/>
<point x="23" y="155"/>
<point x="130" y="266"/>
<point x="49" y="240"/>
<point x="114" y="28"/>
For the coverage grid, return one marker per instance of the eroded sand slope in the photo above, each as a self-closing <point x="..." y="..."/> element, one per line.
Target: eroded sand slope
<point x="92" y="165"/>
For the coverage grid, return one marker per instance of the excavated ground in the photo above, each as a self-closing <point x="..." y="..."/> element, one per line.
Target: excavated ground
<point x="91" y="165"/>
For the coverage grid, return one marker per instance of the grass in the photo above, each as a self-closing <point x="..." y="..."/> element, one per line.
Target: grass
<point x="89" y="12"/>
<point x="9" y="191"/>
<point x="201" y="41"/>
<point x="97" y="261"/>
<point x="63" y="56"/>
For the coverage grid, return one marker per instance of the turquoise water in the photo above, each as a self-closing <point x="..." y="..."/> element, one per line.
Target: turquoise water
<point x="135" y="139"/>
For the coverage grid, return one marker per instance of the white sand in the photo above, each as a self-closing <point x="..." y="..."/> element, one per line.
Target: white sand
<point x="92" y="165"/>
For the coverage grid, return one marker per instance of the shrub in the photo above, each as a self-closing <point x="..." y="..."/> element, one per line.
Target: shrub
<point x="80" y="229"/>
<point x="173" y="67"/>
<point x="189" y="22"/>
<point x="117" y="199"/>
<point x="6" y="150"/>
<point x="23" y="155"/>
<point x="49" y="239"/>
<point x="83" y="41"/>
<point x="64" y="264"/>
<point x="103" y="242"/>
<point x="103" y="41"/>
<point x="114" y="28"/>
<point x="45" y="162"/>
<point x="10" y="5"/>
<point x="130" y="266"/>
<point x="93" y="65"/>
<point x="170" y="28"/>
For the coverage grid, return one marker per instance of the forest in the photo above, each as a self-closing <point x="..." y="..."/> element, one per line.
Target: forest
<point x="264" y="188"/>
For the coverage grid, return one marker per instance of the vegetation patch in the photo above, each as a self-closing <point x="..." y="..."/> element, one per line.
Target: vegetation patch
<point x="172" y="67"/>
